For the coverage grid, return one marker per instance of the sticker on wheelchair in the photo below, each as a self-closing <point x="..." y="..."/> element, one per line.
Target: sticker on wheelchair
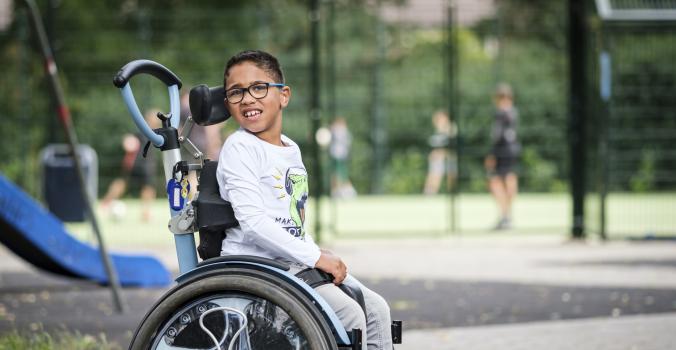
<point x="177" y="192"/>
<point x="239" y="322"/>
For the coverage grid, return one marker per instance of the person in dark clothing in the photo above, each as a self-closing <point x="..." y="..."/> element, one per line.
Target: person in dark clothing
<point x="136" y="170"/>
<point x="501" y="164"/>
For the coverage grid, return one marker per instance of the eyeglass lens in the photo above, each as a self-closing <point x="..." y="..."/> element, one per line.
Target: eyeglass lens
<point x="257" y="91"/>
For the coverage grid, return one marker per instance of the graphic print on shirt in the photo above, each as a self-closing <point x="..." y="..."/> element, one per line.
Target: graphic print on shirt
<point x="296" y="187"/>
<point x="278" y="176"/>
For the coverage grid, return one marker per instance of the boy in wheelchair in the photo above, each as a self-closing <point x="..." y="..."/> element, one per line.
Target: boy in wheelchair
<point x="261" y="173"/>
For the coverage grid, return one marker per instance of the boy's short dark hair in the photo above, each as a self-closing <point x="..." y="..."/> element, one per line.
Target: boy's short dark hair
<point x="261" y="59"/>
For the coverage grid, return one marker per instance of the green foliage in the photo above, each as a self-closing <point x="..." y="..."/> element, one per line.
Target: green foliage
<point x="644" y="178"/>
<point x="406" y="172"/>
<point x="360" y="165"/>
<point x="92" y="40"/>
<point x="542" y="172"/>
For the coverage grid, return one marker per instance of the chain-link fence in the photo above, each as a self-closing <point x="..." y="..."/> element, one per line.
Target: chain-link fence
<point x="430" y="55"/>
<point x="386" y="68"/>
<point x="635" y="126"/>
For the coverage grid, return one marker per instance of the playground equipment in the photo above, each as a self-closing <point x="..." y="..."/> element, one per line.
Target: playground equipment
<point x="39" y="237"/>
<point x="231" y="302"/>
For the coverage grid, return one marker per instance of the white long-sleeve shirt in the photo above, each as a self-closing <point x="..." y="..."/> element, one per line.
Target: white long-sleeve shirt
<point x="267" y="187"/>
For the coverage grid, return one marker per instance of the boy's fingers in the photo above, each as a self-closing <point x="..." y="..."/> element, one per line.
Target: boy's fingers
<point x="341" y="274"/>
<point x="339" y="280"/>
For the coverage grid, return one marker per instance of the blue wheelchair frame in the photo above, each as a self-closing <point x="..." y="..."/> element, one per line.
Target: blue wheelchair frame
<point x="167" y="140"/>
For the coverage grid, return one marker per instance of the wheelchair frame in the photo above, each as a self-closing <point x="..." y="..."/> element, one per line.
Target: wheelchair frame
<point x="185" y="218"/>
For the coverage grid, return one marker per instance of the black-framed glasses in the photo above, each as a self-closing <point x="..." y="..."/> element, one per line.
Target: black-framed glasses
<point x="257" y="91"/>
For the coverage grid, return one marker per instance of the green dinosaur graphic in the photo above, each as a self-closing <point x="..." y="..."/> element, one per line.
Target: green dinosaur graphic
<point x="297" y="188"/>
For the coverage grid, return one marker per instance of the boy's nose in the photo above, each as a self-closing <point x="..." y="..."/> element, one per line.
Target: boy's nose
<point x="247" y="98"/>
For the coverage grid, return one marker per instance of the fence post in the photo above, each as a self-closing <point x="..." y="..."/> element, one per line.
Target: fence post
<point x="453" y="110"/>
<point x="378" y="117"/>
<point x="315" y="113"/>
<point x="577" y="108"/>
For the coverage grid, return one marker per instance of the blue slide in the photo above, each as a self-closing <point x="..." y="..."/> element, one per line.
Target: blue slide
<point x="40" y="238"/>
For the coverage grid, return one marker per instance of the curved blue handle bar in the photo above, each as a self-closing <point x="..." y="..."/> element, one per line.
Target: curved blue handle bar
<point x="121" y="80"/>
<point x="132" y="107"/>
<point x="147" y="67"/>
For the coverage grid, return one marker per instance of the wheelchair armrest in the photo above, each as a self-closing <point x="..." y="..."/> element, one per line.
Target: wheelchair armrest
<point x="246" y="258"/>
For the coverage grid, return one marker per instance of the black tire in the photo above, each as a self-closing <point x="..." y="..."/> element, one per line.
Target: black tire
<point x="236" y="283"/>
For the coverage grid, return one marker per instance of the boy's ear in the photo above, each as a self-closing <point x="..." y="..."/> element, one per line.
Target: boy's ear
<point x="286" y="96"/>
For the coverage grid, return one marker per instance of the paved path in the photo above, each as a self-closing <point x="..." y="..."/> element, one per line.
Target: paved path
<point x="647" y="332"/>
<point x="488" y="292"/>
<point x="536" y="275"/>
<point x="538" y="259"/>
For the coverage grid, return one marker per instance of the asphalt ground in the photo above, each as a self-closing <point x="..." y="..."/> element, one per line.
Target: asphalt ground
<point x="506" y="292"/>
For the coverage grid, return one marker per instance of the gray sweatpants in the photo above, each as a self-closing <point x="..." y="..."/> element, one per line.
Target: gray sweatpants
<point x="377" y="323"/>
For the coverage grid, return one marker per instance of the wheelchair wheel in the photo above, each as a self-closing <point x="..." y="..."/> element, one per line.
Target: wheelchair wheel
<point x="245" y="309"/>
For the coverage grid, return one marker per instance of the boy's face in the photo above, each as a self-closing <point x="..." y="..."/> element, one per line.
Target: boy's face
<point x="262" y="117"/>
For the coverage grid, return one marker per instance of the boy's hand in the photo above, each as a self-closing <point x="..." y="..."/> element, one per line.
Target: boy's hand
<point x="332" y="264"/>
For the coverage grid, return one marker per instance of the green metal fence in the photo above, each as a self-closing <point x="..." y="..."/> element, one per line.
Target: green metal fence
<point x="635" y="174"/>
<point x="386" y="67"/>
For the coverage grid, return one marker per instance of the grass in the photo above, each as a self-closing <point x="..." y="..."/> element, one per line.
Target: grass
<point x="637" y="214"/>
<point x="390" y="216"/>
<point x="420" y="215"/>
<point x="41" y="340"/>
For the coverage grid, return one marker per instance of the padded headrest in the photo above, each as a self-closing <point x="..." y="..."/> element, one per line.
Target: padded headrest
<point x="207" y="105"/>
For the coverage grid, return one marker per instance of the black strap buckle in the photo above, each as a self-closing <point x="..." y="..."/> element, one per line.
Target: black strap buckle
<point x="396" y="331"/>
<point x="145" y="149"/>
<point x="315" y="277"/>
<point x="356" y="339"/>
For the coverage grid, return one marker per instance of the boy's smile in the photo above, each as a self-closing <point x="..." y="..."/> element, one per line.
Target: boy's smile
<point x="260" y="116"/>
<point x="252" y="113"/>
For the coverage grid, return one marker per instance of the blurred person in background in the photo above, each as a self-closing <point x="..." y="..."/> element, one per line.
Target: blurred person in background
<point x="339" y="150"/>
<point x="502" y="161"/>
<point x="441" y="161"/>
<point x="137" y="171"/>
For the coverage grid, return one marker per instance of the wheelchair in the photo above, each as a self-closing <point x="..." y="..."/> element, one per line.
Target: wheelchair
<point x="229" y="302"/>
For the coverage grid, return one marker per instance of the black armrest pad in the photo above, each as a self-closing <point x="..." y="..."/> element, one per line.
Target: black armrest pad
<point x="247" y="258"/>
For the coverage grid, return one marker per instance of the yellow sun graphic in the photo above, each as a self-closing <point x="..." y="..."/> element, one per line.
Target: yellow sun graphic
<point x="278" y="176"/>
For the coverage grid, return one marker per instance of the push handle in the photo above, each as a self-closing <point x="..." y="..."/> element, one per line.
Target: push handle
<point x="121" y="80"/>
<point x="165" y="138"/>
<point x="148" y="67"/>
